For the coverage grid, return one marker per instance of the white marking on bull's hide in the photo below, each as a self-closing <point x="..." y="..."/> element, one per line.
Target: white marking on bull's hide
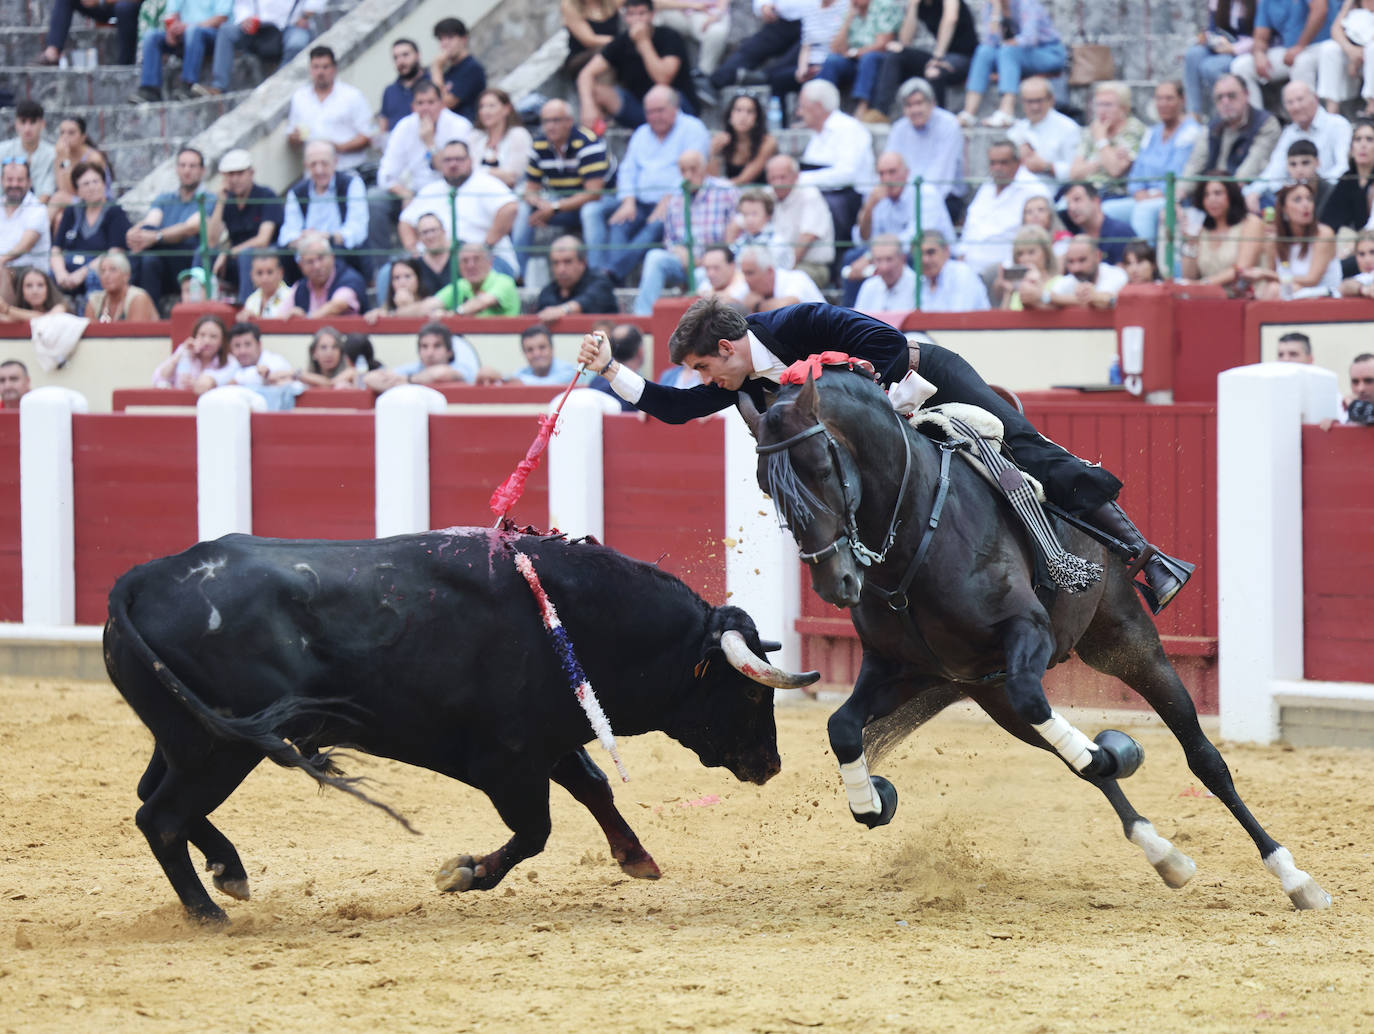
<point x="207" y="570"/>
<point x="1068" y="742"/>
<point x="215" y="621"/>
<point x="858" y="787"/>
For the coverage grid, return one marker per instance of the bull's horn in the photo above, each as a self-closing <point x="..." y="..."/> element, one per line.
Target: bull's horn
<point x="745" y="661"/>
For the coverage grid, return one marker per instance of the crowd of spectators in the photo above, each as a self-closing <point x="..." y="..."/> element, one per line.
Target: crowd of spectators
<point x="870" y="205"/>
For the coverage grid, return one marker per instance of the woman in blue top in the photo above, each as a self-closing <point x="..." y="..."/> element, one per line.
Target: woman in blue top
<point x="1017" y="38"/>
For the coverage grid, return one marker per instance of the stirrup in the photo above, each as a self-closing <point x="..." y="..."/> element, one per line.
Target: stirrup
<point x="1179" y="570"/>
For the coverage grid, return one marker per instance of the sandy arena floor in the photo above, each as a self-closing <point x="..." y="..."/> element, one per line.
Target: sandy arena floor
<point x="1003" y="897"/>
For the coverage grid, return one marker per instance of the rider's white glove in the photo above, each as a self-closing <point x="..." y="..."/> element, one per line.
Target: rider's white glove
<point x="908" y="393"/>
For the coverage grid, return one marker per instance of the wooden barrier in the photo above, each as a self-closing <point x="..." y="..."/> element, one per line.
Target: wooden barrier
<point x="11" y="569"/>
<point x="1338" y="554"/>
<point x="314" y="477"/>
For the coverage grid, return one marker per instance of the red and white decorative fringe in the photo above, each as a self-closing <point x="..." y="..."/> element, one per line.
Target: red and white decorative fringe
<point x="586" y="696"/>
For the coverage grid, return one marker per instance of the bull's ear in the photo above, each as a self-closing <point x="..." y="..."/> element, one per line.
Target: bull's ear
<point x="808" y="399"/>
<point x="750" y="414"/>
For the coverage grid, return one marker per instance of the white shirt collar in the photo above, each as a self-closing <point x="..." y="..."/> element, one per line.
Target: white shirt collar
<point x="766" y="364"/>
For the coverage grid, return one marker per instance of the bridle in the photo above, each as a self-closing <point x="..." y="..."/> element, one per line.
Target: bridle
<point x="850" y="535"/>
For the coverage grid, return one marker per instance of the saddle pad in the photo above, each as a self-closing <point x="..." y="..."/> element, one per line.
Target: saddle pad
<point x="937" y="422"/>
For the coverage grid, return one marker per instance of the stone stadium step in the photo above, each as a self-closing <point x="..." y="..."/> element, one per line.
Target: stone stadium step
<point x="21" y="45"/>
<point x="24" y="12"/>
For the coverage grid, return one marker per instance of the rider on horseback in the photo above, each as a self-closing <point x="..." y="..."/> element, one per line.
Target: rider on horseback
<point x="737" y="354"/>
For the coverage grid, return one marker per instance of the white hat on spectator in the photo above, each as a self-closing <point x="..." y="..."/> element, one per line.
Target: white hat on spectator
<point x="236" y="160"/>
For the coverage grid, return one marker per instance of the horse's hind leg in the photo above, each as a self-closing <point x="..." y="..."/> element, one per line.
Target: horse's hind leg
<point x="1173" y="866"/>
<point x="1122" y="642"/>
<point x="1027" y="646"/>
<point x="221" y="859"/>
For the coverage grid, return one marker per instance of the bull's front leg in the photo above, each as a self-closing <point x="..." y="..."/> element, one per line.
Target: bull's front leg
<point x="872" y="799"/>
<point x="579" y="775"/>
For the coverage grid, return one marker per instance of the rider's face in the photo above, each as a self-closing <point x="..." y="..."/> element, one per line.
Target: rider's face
<point x="727" y="368"/>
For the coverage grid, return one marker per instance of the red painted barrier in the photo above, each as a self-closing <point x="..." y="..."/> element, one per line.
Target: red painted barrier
<point x="123" y="398"/>
<point x="1338" y="553"/>
<point x="665" y="497"/>
<point x="11" y="570"/>
<point x="469" y="456"/>
<point x="314" y="477"/>
<point x="135" y="498"/>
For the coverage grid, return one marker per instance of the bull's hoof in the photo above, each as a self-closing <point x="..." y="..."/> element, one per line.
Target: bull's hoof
<point x="887" y="794"/>
<point x="209" y="915"/>
<point x="1121" y="755"/>
<point x="456" y="874"/>
<point x="1308" y="896"/>
<point x="236" y="889"/>
<point x="641" y="867"/>
<point x="1176" y="869"/>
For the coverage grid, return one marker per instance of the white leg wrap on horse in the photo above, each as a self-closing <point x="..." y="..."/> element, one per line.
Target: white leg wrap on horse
<point x="1173" y="866"/>
<point x="1068" y="742"/>
<point x="1301" y="888"/>
<point x="863" y="797"/>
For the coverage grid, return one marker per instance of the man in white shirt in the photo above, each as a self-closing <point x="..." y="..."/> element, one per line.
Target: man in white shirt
<point x="408" y="163"/>
<point x="24" y="228"/>
<point x="1046" y="139"/>
<point x="772" y="288"/>
<point x="838" y="159"/>
<point x="1329" y="132"/>
<point x="892" y="287"/>
<point x="994" y="214"/>
<point x="1087" y="281"/>
<point x="326" y="109"/>
<point x="948" y="285"/>
<point x="486" y="207"/>
<point x="801" y="219"/>
<point x="890" y="208"/>
<point x="266" y="372"/>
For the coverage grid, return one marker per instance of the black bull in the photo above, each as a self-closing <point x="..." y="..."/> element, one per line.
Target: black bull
<point x="428" y="649"/>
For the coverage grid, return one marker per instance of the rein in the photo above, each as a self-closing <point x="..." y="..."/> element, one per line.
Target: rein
<point x="862" y="553"/>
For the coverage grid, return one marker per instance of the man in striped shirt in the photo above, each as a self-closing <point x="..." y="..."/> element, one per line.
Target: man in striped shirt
<point x="569" y="166"/>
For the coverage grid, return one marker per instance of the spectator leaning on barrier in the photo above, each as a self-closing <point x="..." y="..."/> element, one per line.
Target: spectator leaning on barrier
<point x="396" y="98"/>
<point x="326" y="109"/>
<point x="480" y="291"/>
<point x="931" y="143"/>
<point x="801" y="220"/>
<point x="994" y="214"/>
<point x="445" y="357"/>
<point x="1167" y="146"/>
<point x="573" y="288"/>
<point x="327" y="200"/>
<point x="648" y="175"/>
<point x="713" y="203"/>
<point x="165" y="239"/>
<point x="485" y="206"/>
<point x="772" y="288"/>
<point x="28" y="144"/>
<point x="247" y="215"/>
<point x="409" y="161"/>
<point x="1239" y="139"/>
<point x="536" y="343"/>
<point x="1083" y="213"/>
<point x="638" y="59"/>
<point x="1087" y="281"/>
<point x="36" y="294"/>
<point x="401" y="292"/>
<point x="327" y="287"/>
<point x="14" y="383"/>
<point x="25" y="239"/>
<point x="270" y="298"/>
<point x="273" y="30"/>
<point x="1359" y="404"/>
<point x="568" y="169"/>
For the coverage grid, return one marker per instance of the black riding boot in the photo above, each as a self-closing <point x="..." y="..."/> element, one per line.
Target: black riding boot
<point x="1164" y="575"/>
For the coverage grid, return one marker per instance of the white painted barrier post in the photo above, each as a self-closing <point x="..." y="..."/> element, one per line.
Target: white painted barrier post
<point x="46" y="504"/>
<point x="401" y="444"/>
<point x="1260" y="413"/>
<point x="577" y="469"/>
<point x="761" y="570"/>
<point x="224" y="460"/>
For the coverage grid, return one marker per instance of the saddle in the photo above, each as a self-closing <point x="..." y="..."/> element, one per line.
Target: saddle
<point x="977" y="436"/>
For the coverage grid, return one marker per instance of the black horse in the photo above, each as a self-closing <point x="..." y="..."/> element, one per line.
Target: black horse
<point x="939" y="579"/>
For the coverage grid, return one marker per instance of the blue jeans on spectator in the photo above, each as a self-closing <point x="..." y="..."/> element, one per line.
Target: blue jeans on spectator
<point x="124" y="14"/>
<point x="661" y="269"/>
<point x="589" y="220"/>
<point x="625" y="242"/>
<point x="1143" y="215"/>
<point x="1201" y="70"/>
<point x="199" y="41"/>
<point x="863" y="72"/>
<point x="268" y="43"/>
<point x="1012" y="63"/>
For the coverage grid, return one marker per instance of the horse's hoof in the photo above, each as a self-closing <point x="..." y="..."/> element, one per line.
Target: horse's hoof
<point x="1176" y="869"/>
<point x="456" y="874"/>
<point x="887" y="794"/>
<point x="208" y="915"/>
<point x="1308" y="896"/>
<point x="1126" y="752"/>
<point x="235" y="888"/>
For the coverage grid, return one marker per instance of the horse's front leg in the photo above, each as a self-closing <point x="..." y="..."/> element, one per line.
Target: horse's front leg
<point x="1027" y="643"/>
<point x="878" y="691"/>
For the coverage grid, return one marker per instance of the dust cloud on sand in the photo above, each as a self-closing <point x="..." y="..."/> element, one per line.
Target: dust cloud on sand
<point x="1002" y="896"/>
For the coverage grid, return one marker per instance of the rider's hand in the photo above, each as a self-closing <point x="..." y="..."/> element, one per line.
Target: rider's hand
<point x="595" y="352"/>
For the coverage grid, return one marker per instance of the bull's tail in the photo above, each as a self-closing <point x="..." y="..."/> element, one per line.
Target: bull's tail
<point x="260" y="730"/>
